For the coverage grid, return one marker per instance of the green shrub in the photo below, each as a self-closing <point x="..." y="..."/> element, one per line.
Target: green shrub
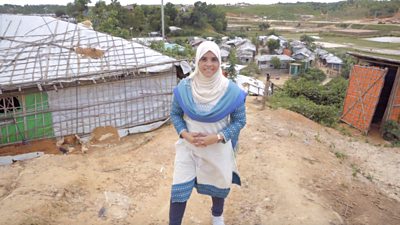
<point x="305" y="95"/>
<point x="314" y="74"/>
<point x="332" y="93"/>
<point x="250" y="70"/>
<point x="348" y="64"/>
<point x="301" y="87"/>
<point x="391" y="132"/>
<point x="326" y="115"/>
<point x="175" y="52"/>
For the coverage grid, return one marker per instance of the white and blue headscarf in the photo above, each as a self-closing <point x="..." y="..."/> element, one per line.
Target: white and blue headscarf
<point x="200" y="89"/>
<point x="207" y="90"/>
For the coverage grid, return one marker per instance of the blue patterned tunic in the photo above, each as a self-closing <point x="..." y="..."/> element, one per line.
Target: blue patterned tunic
<point x="230" y="108"/>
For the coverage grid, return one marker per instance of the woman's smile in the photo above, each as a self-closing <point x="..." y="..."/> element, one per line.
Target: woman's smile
<point x="208" y="64"/>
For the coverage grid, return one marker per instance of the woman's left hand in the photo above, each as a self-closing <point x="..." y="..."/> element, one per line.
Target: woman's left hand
<point x="207" y="139"/>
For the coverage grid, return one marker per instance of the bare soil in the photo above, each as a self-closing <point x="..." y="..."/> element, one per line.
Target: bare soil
<point x="294" y="171"/>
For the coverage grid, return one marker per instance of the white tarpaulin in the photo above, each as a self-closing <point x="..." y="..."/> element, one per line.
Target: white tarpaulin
<point x="250" y="85"/>
<point x="42" y="49"/>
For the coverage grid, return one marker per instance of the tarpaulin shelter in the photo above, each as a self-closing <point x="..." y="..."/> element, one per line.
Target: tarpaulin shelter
<point x="373" y="94"/>
<point x="59" y="78"/>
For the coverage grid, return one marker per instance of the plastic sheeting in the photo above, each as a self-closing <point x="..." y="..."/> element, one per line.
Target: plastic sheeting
<point x="120" y="104"/>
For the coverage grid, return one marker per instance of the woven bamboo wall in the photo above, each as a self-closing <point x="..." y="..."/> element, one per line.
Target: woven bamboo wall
<point x="362" y="96"/>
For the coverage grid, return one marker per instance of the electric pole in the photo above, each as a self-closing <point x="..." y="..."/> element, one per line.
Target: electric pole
<point x="162" y="19"/>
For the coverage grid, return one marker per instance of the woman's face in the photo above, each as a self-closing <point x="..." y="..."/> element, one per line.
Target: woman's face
<point x="208" y="64"/>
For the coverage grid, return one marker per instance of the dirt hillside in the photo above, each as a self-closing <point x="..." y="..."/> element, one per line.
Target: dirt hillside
<point x="293" y="171"/>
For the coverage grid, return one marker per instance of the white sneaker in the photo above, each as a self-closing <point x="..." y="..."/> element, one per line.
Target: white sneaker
<point x="218" y="220"/>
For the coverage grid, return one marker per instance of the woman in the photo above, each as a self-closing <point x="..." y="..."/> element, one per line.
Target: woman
<point x="208" y="113"/>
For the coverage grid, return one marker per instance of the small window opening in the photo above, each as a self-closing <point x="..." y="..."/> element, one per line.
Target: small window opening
<point x="9" y="104"/>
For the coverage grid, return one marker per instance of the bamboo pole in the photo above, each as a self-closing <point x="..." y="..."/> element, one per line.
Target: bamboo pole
<point x="266" y="91"/>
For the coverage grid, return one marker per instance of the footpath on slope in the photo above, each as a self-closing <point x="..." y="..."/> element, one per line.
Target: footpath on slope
<point x="294" y="171"/>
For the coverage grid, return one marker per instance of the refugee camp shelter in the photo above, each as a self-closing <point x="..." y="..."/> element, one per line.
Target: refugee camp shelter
<point x="294" y="69"/>
<point x="265" y="61"/>
<point x="59" y="78"/>
<point x="373" y="94"/>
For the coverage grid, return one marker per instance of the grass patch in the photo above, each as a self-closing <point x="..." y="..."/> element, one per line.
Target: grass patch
<point x="358" y="42"/>
<point x="317" y="138"/>
<point x="275" y="11"/>
<point x="391" y="132"/>
<point x="355" y="170"/>
<point x="293" y="11"/>
<point x="341" y="156"/>
<point x="344" y="50"/>
<point x="380" y="27"/>
<point x="344" y="131"/>
<point x="369" y="177"/>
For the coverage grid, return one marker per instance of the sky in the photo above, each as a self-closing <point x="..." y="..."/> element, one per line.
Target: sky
<point x="153" y="2"/>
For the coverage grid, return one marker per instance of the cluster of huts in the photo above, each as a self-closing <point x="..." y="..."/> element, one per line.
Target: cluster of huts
<point x="296" y="58"/>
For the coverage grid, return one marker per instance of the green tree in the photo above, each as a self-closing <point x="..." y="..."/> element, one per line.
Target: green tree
<point x="256" y="42"/>
<point x="263" y="26"/>
<point x="183" y="19"/>
<point x="138" y="21"/>
<point x="112" y="18"/>
<point x="198" y="18"/>
<point x="154" y="20"/>
<point x="78" y="9"/>
<point x="276" y="62"/>
<point x="273" y="45"/>
<point x="216" y="18"/>
<point x="307" y="39"/>
<point x="59" y="12"/>
<point x="171" y="11"/>
<point x="232" y="64"/>
<point x="203" y="15"/>
<point x="348" y="63"/>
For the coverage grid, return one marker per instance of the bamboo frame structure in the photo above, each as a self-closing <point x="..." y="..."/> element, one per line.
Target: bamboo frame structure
<point x="58" y="78"/>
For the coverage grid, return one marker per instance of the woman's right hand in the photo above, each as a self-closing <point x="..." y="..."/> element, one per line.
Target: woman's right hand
<point x="193" y="138"/>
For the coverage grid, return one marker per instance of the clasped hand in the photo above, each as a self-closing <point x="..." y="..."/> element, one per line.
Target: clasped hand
<point x="199" y="139"/>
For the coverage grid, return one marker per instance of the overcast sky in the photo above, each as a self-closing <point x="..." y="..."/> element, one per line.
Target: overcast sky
<point x="140" y="2"/>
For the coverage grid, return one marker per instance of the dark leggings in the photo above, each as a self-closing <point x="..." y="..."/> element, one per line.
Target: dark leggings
<point x="177" y="209"/>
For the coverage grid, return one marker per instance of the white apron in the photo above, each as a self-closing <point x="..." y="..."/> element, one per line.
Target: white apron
<point x="210" y="168"/>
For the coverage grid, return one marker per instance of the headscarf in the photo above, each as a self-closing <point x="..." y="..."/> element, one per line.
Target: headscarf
<point x="200" y="89"/>
<point x="207" y="90"/>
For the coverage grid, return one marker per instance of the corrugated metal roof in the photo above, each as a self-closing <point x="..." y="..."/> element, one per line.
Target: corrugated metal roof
<point x="247" y="46"/>
<point x="333" y="60"/>
<point x="269" y="57"/>
<point x="224" y="53"/>
<point x="375" y="59"/>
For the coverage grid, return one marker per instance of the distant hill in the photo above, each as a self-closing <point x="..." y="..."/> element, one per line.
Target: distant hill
<point x="32" y="9"/>
<point x="344" y="10"/>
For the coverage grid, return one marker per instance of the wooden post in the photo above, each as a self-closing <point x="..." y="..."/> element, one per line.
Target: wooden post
<point x="266" y="89"/>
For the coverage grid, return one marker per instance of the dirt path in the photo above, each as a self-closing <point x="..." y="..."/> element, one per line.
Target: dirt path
<point x="293" y="170"/>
